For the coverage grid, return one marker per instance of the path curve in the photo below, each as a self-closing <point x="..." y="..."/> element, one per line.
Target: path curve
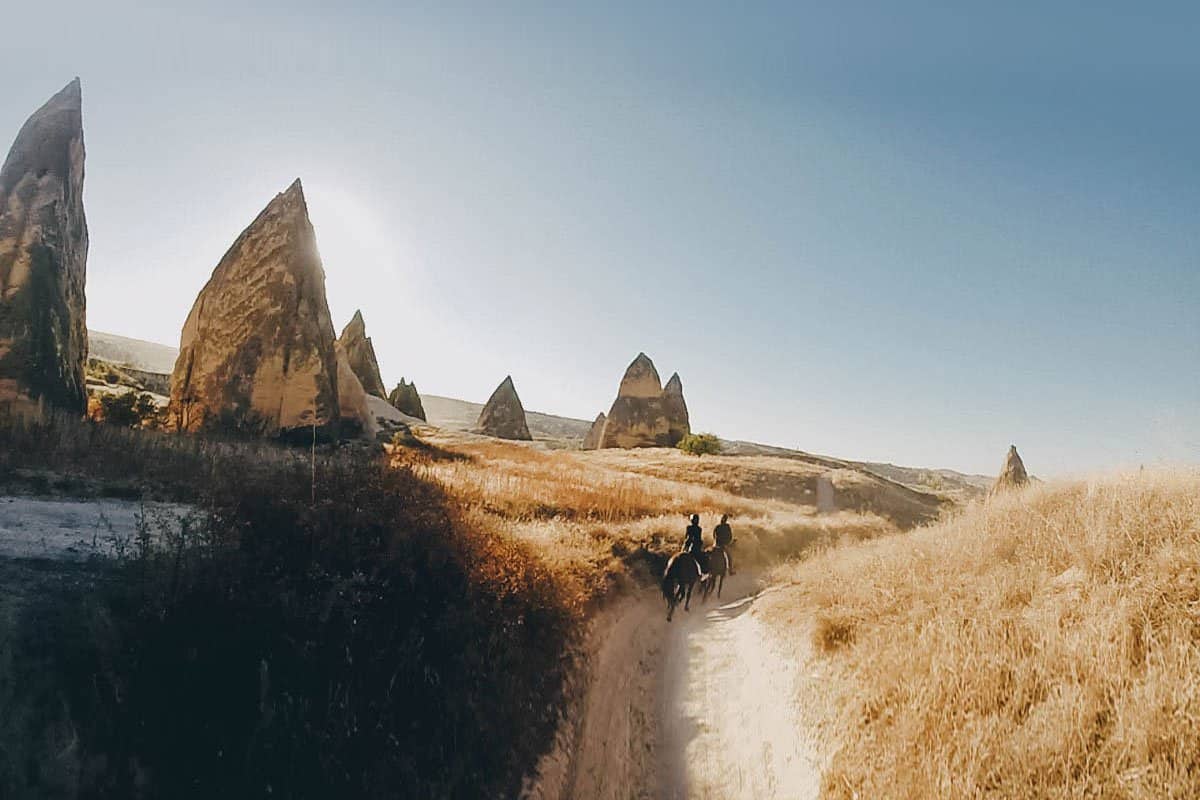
<point x="702" y="707"/>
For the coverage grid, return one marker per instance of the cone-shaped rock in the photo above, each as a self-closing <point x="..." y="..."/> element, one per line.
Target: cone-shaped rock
<point x="644" y="413"/>
<point x="257" y="351"/>
<point x="43" y="260"/>
<point x="405" y="399"/>
<point x="676" y="409"/>
<point x="592" y="440"/>
<point x="1012" y="474"/>
<point x="361" y="355"/>
<point x="503" y="416"/>
<point x="641" y="379"/>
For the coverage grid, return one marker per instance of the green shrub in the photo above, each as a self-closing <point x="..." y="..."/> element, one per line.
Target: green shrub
<point x="700" y="444"/>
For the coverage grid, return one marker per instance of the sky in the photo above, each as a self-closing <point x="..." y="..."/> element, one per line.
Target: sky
<point x="911" y="232"/>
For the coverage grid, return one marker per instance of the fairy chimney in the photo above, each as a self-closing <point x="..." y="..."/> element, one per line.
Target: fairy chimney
<point x="257" y="352"/>
<point x="645" y="414"/>
<point x="503" y="416"/>
<point x="1012" y="473"/>
<point x="43" y="261"/>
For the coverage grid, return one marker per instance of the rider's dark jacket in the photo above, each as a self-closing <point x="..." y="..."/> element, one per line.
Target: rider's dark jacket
<point x="693" y="540"/>
<point x="723" y="534"/>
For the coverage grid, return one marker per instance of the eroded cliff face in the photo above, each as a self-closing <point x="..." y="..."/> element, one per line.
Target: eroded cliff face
<point x="644" y="413"/>
<point x="503" y="416"/>
<point x="43" y="261"/>
<point x="257" y="353"/>
<point x="360" y="353"/>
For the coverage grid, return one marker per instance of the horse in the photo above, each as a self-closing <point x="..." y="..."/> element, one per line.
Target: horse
<point x="681" y="574"/>
<point x="716" y="563"/>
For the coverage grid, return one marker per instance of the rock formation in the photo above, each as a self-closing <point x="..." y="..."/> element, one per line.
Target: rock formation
<point x="355" y="416"/>
<point x="503" y="416"/>
<point x="43" y="260"/>
<point x="592" y="440"/>
<point x="644" y="413"/>
<point x="1012" y="473"/>
<point x="257" y="351"/>
<point x="361" y="355"/>
<point x="405" y="399"/>
<point x="678" y="424"/>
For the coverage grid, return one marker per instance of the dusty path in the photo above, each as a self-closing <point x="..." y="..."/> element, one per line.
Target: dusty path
<point x="703" y="707"/>
<point x="728" y="720"/>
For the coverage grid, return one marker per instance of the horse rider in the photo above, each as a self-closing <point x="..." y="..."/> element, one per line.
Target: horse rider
<point x="723" y="536"/>
<point x="693" y="540"/>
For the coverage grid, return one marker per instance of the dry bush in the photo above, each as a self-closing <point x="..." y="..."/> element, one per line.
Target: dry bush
<point x="1044" y="644"/>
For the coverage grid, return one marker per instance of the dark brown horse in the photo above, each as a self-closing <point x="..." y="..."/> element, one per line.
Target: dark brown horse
<point x="681" y="574"/>
<point x="715" y="562"/>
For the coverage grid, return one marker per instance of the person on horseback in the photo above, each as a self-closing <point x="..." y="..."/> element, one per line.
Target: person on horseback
<point x="723" y="536"/>
<point x="693" y="540"/>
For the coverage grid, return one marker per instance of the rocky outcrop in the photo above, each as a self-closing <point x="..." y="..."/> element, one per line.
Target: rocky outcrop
<point x="43" y="261"/>
<point x="644" y="413"/>
<point x="355" y="416"/>
<point x="1012" y="473"/>
<point x="405" y="399"/>
<point x="678" y="424"/>
<point x="361" y="355"/>
<point x="592" y="440"/>
<point x="257" y="350"/>
<point x="503" y="416"/>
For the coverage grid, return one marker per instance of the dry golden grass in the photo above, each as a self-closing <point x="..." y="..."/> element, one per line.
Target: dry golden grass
<point x="1044" y="644"/>
<point x="596" y="521"/>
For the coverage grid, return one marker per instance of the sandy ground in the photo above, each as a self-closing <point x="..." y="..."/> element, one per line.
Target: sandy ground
<point x="703" y="707"/>
<point x="58" y="529"/>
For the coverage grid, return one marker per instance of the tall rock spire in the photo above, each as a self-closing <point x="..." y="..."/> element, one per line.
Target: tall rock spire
<point x="257" y="351"/>
<point x="43" y="260"/>
<point x="360" y="353"/>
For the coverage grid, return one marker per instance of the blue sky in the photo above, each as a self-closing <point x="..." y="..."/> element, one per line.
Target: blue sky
<point x="912" y="234"/>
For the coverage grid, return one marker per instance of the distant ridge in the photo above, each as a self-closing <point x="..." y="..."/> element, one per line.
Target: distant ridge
<point x="136" y="353"/>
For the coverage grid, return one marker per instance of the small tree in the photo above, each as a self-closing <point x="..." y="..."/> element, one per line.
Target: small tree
<point x="700" y="444"/>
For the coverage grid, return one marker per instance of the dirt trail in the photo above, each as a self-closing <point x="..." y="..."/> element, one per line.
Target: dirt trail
<point x="703" y="707"/>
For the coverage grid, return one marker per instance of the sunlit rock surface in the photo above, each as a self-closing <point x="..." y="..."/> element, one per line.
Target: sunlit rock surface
<point x="257" y="351"/>
<point x="644" y="413"/>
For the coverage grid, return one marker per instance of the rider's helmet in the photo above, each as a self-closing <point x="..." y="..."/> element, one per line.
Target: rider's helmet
<point x="695" y="519"/>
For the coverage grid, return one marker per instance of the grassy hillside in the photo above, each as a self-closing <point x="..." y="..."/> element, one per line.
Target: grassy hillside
<point x="337" y="626"/>
<point x="603" y="519"/>
<point x="1044" y="644"/>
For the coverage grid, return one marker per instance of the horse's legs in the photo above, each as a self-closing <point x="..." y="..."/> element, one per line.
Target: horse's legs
<point x="688" y="601"/>
<point x="720" y="585"/>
